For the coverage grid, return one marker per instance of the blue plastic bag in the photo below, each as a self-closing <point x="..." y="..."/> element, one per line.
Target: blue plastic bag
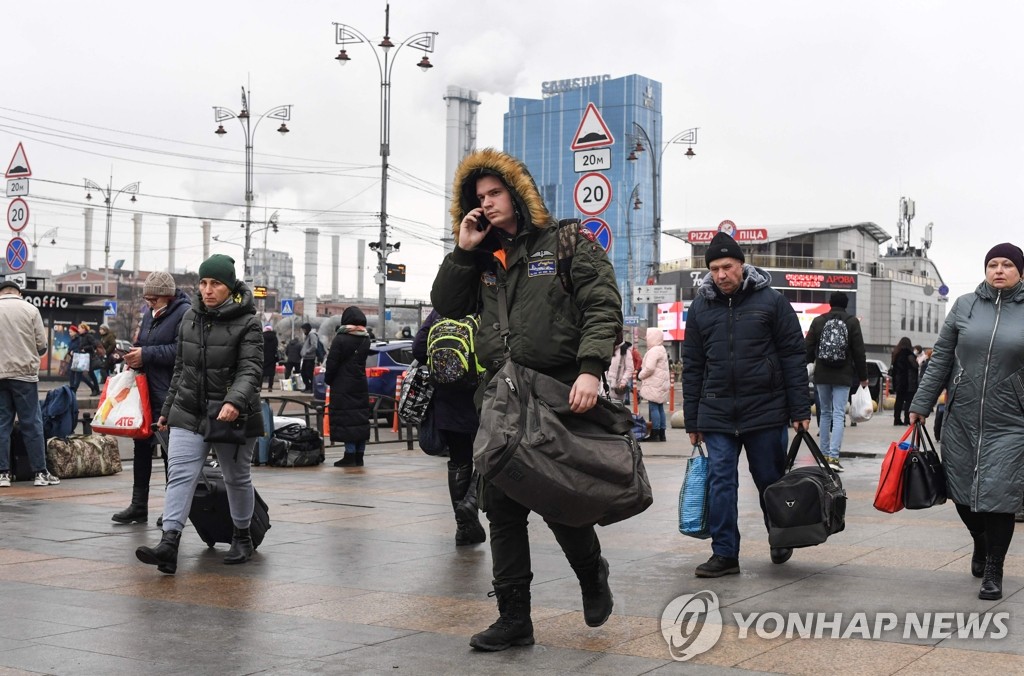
<point x="693" y="497"/>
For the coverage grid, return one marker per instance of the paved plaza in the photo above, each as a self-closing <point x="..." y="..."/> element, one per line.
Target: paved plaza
<point x="359" y="574"/>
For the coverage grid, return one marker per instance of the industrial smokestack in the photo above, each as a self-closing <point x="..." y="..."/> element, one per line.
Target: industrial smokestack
<point x="360" y="262"/>
<point x="172" y="236"/>
<point x="335" y="263"/>
<point x="309" y="287"/>
<point x="206" y="240"/>
<point x="88" y="238"/>
<point x="459" y="142"/>
<point x="137" y="233"/>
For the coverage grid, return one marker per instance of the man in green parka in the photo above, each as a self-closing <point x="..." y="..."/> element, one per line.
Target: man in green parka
<point x="564" y="325"/>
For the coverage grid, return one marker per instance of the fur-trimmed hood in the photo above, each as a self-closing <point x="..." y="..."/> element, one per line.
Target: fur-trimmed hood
<point x="530" y="208"/>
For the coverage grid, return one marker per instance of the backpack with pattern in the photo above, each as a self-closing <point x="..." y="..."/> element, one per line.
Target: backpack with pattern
<point x="834" y="343"/>
<point x="451" y="352"/>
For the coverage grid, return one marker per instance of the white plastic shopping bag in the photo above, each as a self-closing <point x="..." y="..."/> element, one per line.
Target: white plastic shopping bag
<point x="861" y="406"/>
<point x="124" y="410"/>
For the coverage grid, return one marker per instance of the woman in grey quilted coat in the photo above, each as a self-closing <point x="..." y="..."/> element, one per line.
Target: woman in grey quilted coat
<point x="980" y="358"/>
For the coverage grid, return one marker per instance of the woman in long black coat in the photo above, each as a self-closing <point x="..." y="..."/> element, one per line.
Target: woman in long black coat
<point x="904" y="380"/>
<point x="350" y="394"/>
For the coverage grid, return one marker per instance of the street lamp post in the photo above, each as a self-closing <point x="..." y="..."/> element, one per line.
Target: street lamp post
<point x="283" y="113"/>
<point x="36" y="239"/>
<point x="632" y="204"/>
<point x="688" y="138"/>
<point x="109" y="197"/>
<point x="343" y="35"/>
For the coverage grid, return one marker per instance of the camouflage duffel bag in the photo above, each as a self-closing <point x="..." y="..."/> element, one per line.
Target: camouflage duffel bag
<point x="83" y="455"/>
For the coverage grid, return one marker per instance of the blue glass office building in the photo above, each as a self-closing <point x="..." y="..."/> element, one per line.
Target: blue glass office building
<point x="541" y="132"/>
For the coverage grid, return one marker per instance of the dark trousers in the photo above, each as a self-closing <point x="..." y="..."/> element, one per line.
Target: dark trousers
<point x="510" y="541"/>
<point x="142" y="465"/>
<point x="901" y="412"/>
<point x="766" y="457"/>
<point x="270" y="372"/>
<point x="88" y="376"/>
<point x="307" y="374"/>
<point x="290" y="366"/>
<point x="997" y="527"/>
<point x="460" y="446"/>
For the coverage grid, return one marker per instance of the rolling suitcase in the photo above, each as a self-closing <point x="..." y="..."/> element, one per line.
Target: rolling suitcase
<point x="210" y="513"/>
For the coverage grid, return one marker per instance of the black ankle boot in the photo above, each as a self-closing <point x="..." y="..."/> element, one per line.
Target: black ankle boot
<point x="514" y="626"/>
<point x="978" y="557"/>
<point x="133" y="513"/>
<point x="597" y="595"/>
<point x="165" y="555"/>
<point x="462" y="489"/>
<point x="241" y="547"/>
<point x="992" y="584"/>
<point x="350" y="460"/>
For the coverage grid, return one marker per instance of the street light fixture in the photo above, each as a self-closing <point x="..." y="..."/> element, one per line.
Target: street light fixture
<point x="687" y="137"/>
<point x="343" y="35"/>
<point x="220" y="114"/>
<point x="109" y="197"/>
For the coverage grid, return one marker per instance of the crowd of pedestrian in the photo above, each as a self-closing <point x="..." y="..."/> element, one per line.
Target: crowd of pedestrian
<point x="744" y="367"/>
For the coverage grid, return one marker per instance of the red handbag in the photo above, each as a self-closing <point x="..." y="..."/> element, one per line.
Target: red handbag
<point x="889" y="495"/>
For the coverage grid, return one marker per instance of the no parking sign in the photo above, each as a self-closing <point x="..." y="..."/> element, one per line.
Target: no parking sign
<point x="602" y="232"/>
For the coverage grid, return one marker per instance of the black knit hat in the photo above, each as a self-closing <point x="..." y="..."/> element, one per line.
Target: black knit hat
<point x="1009" y="251"/>
<point x="353" y="316"/>
<point x="219" y="267"/>
<point x="838" y="299"/>
<point x="723" y="246"/>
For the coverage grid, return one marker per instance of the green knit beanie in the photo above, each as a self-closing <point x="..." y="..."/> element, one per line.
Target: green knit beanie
<point x="221" y="268"/>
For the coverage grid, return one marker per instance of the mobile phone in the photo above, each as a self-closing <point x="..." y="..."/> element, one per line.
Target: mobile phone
<point x="482" y="222"/>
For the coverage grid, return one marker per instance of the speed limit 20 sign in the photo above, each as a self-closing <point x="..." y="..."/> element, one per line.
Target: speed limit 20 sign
<point x="593" y="193"/>
<point x="17" y="214"/>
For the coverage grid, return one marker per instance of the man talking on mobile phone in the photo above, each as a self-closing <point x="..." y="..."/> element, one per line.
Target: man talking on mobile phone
<point x="562" y="325"/>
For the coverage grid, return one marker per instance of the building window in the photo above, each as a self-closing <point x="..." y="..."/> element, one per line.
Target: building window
<point x="799" y="247"/>
<point x="903" y="316"/>
<point x="929" y="318"/>
<point x="920" y="316"/>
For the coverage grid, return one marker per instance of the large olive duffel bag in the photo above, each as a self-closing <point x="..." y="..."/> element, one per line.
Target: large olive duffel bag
<point x="573" y="469"/>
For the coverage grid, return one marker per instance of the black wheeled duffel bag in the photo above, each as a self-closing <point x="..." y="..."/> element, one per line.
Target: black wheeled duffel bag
<point x="807" y="504"/>
<point x="211" y="516"/>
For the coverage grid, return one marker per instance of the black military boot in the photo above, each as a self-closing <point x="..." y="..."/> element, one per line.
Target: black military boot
<point x="241" y="547"/>
<point x="992" y="584"/>
<point x="514" y="626"/>
<point x="165" y="555"/>
<point x="137" y="511"/>
<point x="978" y="557"/>
<point x="462" y="489"/>
<point x="597" y="595"/>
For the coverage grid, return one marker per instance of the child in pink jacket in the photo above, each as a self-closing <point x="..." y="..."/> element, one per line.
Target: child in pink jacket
<point x="655" y="382"/>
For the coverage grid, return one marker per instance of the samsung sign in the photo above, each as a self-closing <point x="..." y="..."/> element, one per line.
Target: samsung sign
<point x="553" y="87"/>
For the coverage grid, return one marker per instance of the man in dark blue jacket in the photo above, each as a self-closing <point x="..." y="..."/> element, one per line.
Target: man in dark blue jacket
<point x="744" y="383"/>
<point x="154" y="352"/>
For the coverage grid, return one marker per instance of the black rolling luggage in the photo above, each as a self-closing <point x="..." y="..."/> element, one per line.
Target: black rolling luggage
<point x="212" y="518"/>
<point x="210" y="514"/>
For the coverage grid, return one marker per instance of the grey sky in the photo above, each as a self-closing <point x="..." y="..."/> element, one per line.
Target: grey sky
<point x="809" y="112"/>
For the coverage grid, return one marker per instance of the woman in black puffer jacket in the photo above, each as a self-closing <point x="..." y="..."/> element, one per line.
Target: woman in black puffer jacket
<point x="220" y="360"/>
<point x="903" y="370"/>
<point x="350" y="394"/>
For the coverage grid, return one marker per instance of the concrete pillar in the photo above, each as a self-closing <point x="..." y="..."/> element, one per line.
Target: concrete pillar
<point x="137" y="250"/>
<point x="360" y="262"/>
<point x="88" y="238"/>
<point x="309" y="287"/>
<point x="206" y="239"/>
<point x="335" y="264"/>
<point x="172" y="236"/>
